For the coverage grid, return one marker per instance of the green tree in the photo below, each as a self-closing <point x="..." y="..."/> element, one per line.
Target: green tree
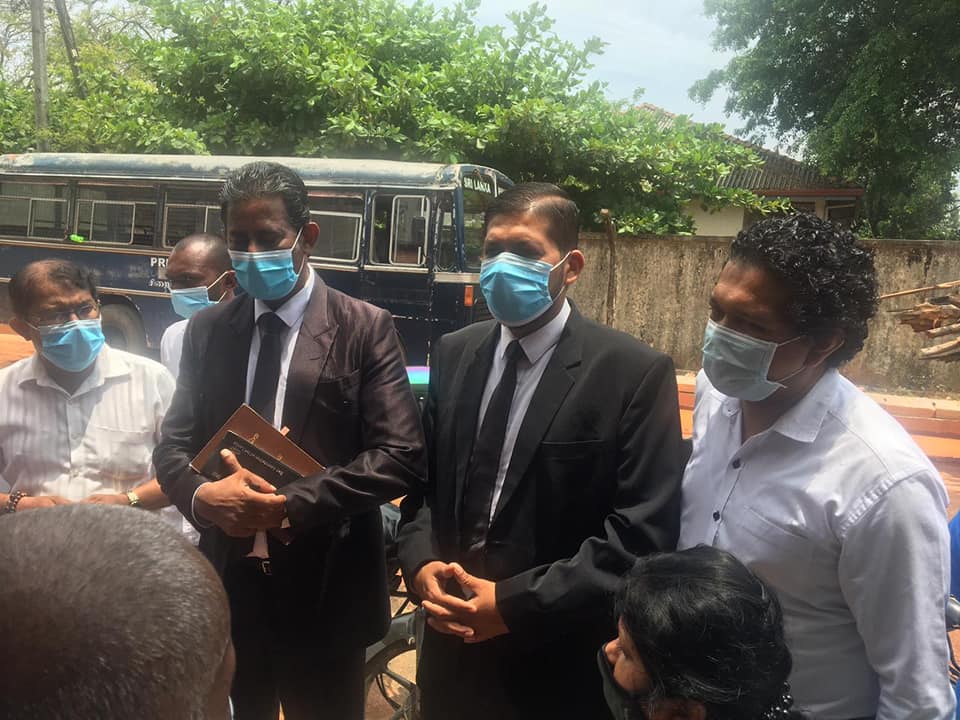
<point x="869" y="90"/>
<point x="383" y="78"/>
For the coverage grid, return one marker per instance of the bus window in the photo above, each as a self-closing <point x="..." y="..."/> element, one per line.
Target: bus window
<point x="339" y="218"/>
<point x="33" y="210"/>
<point x="116" y="215"/>
<point x="446" y="251"/>
<point x="190" y="211"/>
<point x="474" y="205"/>
<point x="399" y="230"/>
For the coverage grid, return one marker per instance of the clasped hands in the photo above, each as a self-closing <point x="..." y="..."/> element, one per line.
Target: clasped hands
<point x="241" y="503"/>
<point x="474" y="620"/>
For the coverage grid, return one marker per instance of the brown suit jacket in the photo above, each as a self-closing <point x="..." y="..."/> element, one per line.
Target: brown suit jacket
<point x="348" y="403"/>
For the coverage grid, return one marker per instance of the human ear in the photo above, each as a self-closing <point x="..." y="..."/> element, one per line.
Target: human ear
<point x="309" y="236"/>
<point x="824" y="345"/>
<point x="682" y="710"/>
<point x="22" y="328"/>
<point x="575" y="263"/>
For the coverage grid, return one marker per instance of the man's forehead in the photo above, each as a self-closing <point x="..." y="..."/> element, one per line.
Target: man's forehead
<point x="268" y="209"/>
<point x="52" y="294"/>
<point x="753" y="289"/>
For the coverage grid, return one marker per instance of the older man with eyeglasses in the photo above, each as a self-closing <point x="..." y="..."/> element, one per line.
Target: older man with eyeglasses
<point x="79" y="419"/>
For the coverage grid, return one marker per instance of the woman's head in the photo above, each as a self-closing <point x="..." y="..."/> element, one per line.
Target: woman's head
<point x="700" y="637"/>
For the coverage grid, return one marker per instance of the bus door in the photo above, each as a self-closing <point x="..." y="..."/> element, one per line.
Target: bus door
<point x="336" y="256"/>
<point x="397" y="274"/>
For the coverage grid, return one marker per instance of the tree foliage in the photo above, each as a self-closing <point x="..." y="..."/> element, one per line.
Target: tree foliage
<point x="383" y="78"/>
<point x="870" y="90"/>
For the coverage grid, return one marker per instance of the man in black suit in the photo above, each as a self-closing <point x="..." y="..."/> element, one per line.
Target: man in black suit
<point x="554" y="460"/>
<point x="330" y="369"/>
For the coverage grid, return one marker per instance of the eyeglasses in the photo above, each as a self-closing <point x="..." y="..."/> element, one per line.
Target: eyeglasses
<point x="87" y="311"/>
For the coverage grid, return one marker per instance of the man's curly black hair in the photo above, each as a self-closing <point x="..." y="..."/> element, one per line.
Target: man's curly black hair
<point x="830" y="274"/>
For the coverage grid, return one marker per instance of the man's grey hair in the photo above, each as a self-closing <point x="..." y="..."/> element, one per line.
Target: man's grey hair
<point x="264" y="179"/>
<point x="106" y="612"/>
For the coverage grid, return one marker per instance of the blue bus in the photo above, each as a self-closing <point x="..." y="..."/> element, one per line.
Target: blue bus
<point x="404" y="236"/>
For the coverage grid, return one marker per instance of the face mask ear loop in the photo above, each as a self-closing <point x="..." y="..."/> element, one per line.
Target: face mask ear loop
<point x="563" y="286"/>
<point x="295" y="242"/>
<point x="222" y="276"/>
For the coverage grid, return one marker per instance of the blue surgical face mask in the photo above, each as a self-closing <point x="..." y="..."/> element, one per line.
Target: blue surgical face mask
<point x="72" y="346"/>
<point x="623" y="705"/>
<point x="517" y="289"/>
<point x="187" y="302"/>
<point x="737" y="365"/>
<point x="268" y="275"/>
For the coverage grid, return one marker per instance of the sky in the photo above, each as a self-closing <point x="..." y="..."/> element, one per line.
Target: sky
<point x="662" y="46"/>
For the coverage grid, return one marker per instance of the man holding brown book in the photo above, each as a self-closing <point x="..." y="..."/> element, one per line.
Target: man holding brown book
<point x="329" y="368"/>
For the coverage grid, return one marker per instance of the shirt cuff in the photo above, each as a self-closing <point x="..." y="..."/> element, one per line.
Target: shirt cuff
<point x="193" y="509"/>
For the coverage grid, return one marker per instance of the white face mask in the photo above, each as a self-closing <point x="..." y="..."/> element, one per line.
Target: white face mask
<point x="737" y="365"/>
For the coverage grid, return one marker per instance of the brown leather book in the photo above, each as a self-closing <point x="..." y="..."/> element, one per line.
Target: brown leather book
<point x="251" y="427"/>
<point x="261" y="449"/>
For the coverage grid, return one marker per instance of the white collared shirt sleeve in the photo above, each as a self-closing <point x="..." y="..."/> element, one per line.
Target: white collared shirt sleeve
<point x="893" y="570"/>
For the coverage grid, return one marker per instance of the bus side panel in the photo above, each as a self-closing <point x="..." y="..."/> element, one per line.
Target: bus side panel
<point x="136" y="277"/>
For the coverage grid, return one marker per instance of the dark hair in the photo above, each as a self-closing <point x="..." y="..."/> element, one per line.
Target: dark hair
<point x="214" y="246"/>
<point x="831" y="276"/>
<point x="30" y="278"/>
<point x="106" y="612"/>
<point x="545" y="201"/>
<point x="707" y="629"/>
<point x="262" y="179"/>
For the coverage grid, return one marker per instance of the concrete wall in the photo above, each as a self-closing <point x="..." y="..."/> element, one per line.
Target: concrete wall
<point x="662" y="285"/>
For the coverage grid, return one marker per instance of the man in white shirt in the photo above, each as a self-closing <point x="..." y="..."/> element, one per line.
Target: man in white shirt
<point x="79" y="419"/>
<point x="200" y="275"/>
<point x="812" y="485"/>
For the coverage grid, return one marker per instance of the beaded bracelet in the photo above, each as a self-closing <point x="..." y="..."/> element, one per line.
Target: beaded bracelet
<point x="13" y="500"/>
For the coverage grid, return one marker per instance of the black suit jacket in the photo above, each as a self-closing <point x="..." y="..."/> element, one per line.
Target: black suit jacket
<point x="348" y="403"/>
<point x="594" y="481"/>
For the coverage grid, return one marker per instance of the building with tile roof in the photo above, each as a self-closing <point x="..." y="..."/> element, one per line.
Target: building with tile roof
<point x="779" y="176"/>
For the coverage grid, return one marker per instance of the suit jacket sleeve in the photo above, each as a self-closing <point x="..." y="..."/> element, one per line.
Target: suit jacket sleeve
<point x="645" y="518"/>
<point x="179" y="433"/>
<point x="416" y="542"/>
<point x="392" y="462"/>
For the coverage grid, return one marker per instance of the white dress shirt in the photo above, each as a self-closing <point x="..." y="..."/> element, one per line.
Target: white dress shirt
<point x="100" y="439"/>
<point x="171" y="347"/>
<point x="844" y="517"/>
<point x="538" y="348"/>
<point x="291" y="312"/>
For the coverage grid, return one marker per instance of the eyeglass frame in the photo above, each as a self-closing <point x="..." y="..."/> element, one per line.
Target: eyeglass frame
<point x="62" y="317"/>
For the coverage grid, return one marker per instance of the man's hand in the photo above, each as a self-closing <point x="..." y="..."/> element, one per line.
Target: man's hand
<point x="444" y="609"/>
<point x="108" y="499"/>
<point x="241" y="503"/>
<point x="29" y="502"/>
<point x="484" y="618"/>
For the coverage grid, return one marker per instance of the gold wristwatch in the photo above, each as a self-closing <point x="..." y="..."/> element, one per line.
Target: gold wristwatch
<point x="133" y="498"/>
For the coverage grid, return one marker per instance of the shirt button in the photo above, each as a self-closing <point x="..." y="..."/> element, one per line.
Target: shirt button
<point x="736" y="463"/>
<point x="716" y="515"/>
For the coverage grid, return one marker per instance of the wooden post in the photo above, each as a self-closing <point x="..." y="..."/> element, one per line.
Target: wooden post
<point x="40" y="96"/>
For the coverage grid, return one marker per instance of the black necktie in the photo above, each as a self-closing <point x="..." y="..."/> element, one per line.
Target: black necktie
<point x="485" y="461"/>
<point x="263" y="396"/>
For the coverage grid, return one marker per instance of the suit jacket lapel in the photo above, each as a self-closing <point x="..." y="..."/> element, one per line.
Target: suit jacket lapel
<point x="317" y="333"/>
<point x="558" y="378"/>
<point x="467" y="398"/>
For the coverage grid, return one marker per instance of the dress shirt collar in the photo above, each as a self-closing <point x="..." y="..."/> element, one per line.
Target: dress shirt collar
<point x="109" y="364"/>
<point x="293" y="309"/>
<point x="538" y="342"/>
<point x="803" y="421"/>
